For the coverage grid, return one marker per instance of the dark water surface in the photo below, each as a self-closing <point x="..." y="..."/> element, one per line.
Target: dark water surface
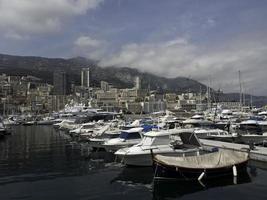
<point x="39" y="163"/>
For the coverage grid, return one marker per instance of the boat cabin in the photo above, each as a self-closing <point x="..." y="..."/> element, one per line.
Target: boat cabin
<point x="134" y="133"/>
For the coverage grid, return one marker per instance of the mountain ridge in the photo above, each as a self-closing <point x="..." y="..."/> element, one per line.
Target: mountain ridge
<point x="118" y="76"/>
<point x="121" y="77"/>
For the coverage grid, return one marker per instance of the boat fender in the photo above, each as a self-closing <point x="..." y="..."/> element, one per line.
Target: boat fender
<point x="235" y="180"/>
<point x="201" y="176"/>
<point x="234" y="171"/>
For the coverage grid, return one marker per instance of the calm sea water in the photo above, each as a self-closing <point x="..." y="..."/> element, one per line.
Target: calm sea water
<point x="39" y="163"/>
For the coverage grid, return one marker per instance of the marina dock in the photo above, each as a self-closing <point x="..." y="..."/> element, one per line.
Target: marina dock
<point x="257" y="154"/>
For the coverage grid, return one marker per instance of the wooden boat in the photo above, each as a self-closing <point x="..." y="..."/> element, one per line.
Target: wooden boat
<point x="210" y="165"/>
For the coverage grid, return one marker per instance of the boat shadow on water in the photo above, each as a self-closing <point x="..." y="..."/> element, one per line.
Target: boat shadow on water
<point x="173" y="188"/>
<point x="135" y="176"/>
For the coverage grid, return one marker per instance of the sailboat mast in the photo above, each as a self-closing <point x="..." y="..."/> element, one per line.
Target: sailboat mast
<point x="240" y="92"/>
<point x="251" y="101"/>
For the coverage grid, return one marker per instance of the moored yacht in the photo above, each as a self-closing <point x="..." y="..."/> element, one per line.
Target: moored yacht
<point x="97" y="143"/>
<point x="45" y="121"/>
<point x="84" y="128"/>
<point x="197" y="123"/>
<point x="127" y="138"/>
<point x="160" y="143"/>
<point x="250" y="126"/>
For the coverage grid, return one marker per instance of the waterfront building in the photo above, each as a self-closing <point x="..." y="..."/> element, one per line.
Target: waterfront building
<point x="56" y="102"/>
<point x="171" y="100"/>
<point x="60" y="82"/>
<point x="104" y="86"/>
<point x="107" y="98"/>
<point x="154" y="106"/>
<point x="229" y="104"/>
<point x="134" y="107"/>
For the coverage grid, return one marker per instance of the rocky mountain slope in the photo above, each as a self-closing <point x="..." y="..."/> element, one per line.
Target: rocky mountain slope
<point x="120" y="77"/>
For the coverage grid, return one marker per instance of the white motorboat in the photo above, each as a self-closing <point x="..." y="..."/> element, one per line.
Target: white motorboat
<point x="59" y="122"/>
<point x="66" y="125"/>
<point x="29" y="123"/>
<point x="250" y="126"/>
<point x="159" y="143"/>
<point x="97" y="132"/>
<point x="226" y="114"/>
<point x="209" y="133"/>
<point x="98" y="142"/>
<point x="127" y="138"/>
<point x="197" y="123"/>
<point x="84" y="128"/>
<point x="46" y="121"/>
<point x="10" y="121"/>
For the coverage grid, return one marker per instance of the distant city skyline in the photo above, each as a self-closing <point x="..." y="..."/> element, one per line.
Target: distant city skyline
<point x="201" y="39"/>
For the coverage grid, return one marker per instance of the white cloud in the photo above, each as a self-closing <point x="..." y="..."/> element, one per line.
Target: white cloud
<point x="87" y="41"/>
<point x="24" y="17"/>
<point x="162" y="58"/>
<point x="179" y="57"/>
<point x="90" y="47"/>
<point x="15" y="36"/>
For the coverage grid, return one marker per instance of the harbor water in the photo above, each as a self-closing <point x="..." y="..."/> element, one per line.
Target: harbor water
<point x="36" y="162"/>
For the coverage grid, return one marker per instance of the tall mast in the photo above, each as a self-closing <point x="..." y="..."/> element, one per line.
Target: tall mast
<point x="210" y="92"/>
<point x="200" y="95"/>
<point x="240" y="92"/>
<point x="244" y="95"/>
<point x="251" y="103"/>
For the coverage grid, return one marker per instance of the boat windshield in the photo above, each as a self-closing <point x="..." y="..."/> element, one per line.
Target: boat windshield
<point x="159" y="140"/>
<point x="162" y="140"/>
<point x="88" y="126"/>
<point x="147" y="141"/>
<point x="126" y="135"/>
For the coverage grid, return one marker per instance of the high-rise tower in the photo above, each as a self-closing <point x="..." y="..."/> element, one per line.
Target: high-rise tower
<point x="60" y="82"/>
<point x="85" y="77"/>
<point x="137" y="83"/>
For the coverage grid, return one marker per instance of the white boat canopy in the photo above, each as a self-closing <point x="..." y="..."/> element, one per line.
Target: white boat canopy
<point x="220" y="159"/>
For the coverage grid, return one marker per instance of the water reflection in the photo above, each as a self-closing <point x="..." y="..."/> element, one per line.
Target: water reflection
<point x="34" y="153"/>
<point x="166" y="189"/>
<point x="163" y="189"/>
<point x="135" y="176"/>
<point x="39" y="154"/>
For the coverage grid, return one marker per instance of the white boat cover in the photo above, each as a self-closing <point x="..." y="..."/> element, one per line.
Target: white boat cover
<point x="219" y="159"/>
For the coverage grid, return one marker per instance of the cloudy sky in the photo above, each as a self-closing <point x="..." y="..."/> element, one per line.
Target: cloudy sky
<point x="201" y="39"/>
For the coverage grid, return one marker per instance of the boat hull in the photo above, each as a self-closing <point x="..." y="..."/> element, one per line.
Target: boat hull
<point x="144" y="160"/>
<point x="174" y="172"/>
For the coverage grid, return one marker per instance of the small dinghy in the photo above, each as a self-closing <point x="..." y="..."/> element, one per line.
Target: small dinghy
<point x="210" y="165"/>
